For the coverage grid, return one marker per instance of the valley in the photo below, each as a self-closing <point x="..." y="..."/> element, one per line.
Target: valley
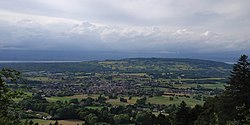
<point x="157" y="85"/>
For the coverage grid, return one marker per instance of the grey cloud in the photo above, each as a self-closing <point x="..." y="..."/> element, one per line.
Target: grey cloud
<point x="129" y="25"/>
<point x="32" y="35"/>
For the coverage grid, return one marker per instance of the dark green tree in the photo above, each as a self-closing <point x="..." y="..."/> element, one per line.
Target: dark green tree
<point x="91" y="119"/>
<point x="25" y="122"/>
<point x="232" y="106"/>
<point x="208" y="115"/>
<point x="144" y="118"/>
<point x="56" y="123"/>
<point x="31" y="122"/>
<point x="238" y="91"/>
<point x="122" y="119"/>
<point x="141" y="102"/>
<point x="8" y="116"/>
<point x="74" y="101"/>
<point x="162" y="120"/>
<point x="182" y="116"/>
<point x="194" y="113"/>
<point x="67" y="112"/>
<point x="239" y="82"/>
<point x="88" y="101"/>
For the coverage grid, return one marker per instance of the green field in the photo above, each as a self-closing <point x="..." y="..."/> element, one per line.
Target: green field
<point x="43" y="79"/>
<point x="165" y="100"/>
<point x="189" y="79"/>
<point x="26" y="94"/>
<point x="67" y="98"/>
<point x="157" y="100"/>
<point x="153" y="100"/>
<point x="118" y="102"/>
<point x="209" y="86"/>
<point x="61" y="122"/>
<point x="79" y="97"/>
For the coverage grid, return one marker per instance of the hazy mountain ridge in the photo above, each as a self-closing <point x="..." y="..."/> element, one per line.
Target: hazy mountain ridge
<point x="40" y="55"/>
<point x="178" y="66"/>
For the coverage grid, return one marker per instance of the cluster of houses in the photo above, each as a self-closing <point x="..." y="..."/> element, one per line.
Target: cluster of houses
<point x="120" y="84"/>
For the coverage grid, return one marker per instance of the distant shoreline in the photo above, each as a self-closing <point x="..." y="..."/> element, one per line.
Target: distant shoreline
<point x="12" y="61"/>
<point x="59" y="61"/>
<point x="230" y="62"/>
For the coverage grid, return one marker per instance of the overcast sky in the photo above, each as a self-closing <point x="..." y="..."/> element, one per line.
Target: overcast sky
<point x="162" y="26"/>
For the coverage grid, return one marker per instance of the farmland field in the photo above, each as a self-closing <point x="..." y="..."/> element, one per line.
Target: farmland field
<point x="67" y="98"/>
<point x="63" y="122"/>
<point x="118" y="102"/>
<point x="176" y="100"/>
<point x="209" y="86"/>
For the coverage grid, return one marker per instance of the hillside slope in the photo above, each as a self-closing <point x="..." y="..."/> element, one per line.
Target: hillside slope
<point x="189" y="68"/>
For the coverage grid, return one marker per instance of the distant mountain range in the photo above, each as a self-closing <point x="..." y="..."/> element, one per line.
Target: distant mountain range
<point x="190" y="68"/>
<point x="35" y="55"/>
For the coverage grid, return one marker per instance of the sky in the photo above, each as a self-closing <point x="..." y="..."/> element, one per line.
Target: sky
<point x="138" y="26"/>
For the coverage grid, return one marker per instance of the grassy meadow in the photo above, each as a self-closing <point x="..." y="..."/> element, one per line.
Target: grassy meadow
<point x="61" y="122"/>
